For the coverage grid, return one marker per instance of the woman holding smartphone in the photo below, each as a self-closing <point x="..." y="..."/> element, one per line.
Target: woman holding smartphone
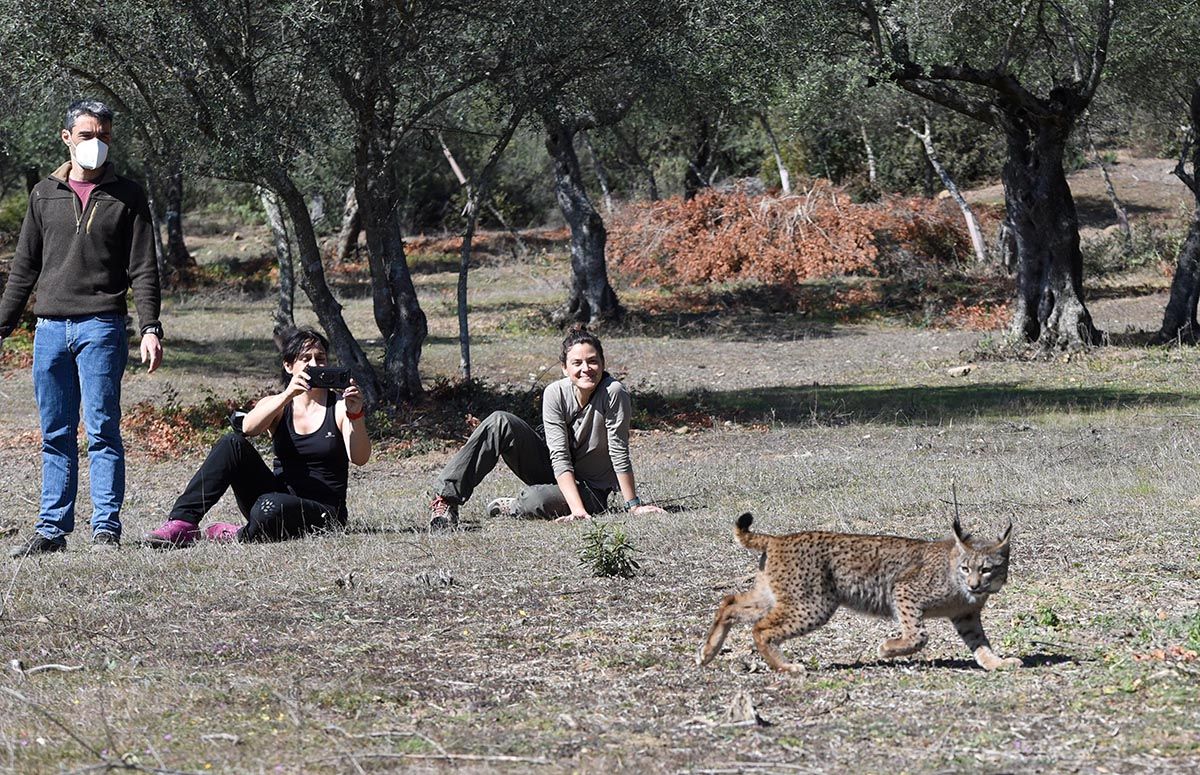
<point x="315" y="436"/>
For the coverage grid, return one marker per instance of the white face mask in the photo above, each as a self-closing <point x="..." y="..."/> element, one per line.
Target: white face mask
<point x="90" y="154"/>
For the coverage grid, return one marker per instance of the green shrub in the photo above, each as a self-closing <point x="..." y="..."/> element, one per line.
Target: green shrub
<point x="608" y="551"/>
<point x="1192" y="633"/>
<point x="12" y="212"/>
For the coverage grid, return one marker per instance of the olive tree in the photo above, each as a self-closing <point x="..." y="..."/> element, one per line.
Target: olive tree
<point x="1155" y="70"/>
<point x="592" y="62"/>
<point x="1027" y="69"/>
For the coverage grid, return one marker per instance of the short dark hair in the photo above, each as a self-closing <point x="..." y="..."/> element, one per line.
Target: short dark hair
<point x="88" y="107"/>
<point x="579" y="334"/>
<point x="296" y="341"/>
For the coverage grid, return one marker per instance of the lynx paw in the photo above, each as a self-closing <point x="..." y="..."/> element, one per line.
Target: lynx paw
<point x="899" y="647"/>
<point x="991" y="662"/>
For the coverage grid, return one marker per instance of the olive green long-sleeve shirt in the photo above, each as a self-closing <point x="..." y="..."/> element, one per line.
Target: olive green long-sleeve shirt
<point x="593" y="440"/>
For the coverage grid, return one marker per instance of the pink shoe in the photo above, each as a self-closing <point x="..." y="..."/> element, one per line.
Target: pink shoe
<point x="222" y="532"/>
<point x="173" y="534"/>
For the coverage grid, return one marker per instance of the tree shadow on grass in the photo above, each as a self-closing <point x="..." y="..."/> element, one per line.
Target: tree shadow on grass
<point x="942" y="663"/>
<point x="752" y="313"/>
<point x="226" y="357"/>
<point x="1124" y="291"/>
<point x="1097" y="211"/>
<point x="868" y="404"/>
<point x="365" y="529"/>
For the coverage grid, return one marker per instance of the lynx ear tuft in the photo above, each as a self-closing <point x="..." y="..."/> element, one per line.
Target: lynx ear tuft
<point x="958" y="531"/>
<point x="1007" y="532"/>
<point x="743" y="522"/>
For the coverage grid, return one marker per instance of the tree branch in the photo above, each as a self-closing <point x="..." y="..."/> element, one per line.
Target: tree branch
<point x="979" y="110"/>
<point x="1006" y="53"/>
<point x="1100" y="51"/>
<point x="1072" y="40"/>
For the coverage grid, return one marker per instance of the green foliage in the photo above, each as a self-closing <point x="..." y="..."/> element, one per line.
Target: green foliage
<point x="1046" y="616"/>
<point x="1192" y="632"/>
<point x="1153" y="245"/>
<point x="837" y="108"/>
<point x="12" y="212"/>
<point x="608" y="552"/>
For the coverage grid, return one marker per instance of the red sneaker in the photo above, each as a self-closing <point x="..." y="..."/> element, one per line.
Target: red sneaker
<point x="222" y="532"/>
<point x="173" y="534"/>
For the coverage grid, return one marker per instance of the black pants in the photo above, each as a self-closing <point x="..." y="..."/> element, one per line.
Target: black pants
<point x="272" y="512"/>
<point x="504" y="436"/>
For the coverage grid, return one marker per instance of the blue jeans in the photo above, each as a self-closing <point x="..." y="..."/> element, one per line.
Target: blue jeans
<point x="80" y="360"/>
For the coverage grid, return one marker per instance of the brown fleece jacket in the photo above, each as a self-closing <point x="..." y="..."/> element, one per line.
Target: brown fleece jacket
<point x="81" y="261"/>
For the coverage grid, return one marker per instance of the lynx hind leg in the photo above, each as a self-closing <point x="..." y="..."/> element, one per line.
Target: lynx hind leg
<point x="913" y="636"/>
<point x="746" y="607"/>
<point x="789" y="619"/>
<point x="970" y="629"/>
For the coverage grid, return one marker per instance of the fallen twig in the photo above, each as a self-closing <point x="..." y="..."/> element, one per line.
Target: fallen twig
<point x="19" y="667"/>
<point x="369" y="735"/>
<point x="461" y="757"/>
<point x="224" y="736"/>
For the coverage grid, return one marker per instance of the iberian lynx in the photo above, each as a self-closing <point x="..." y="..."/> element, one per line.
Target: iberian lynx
<point x="804" y="577"/>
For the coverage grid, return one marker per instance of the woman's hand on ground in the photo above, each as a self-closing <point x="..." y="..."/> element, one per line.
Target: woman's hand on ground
<point x="647" y="508"/>
<point x="574" y="517"/>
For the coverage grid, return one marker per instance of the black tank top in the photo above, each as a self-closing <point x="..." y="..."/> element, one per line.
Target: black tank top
<point x="313" y="465"/>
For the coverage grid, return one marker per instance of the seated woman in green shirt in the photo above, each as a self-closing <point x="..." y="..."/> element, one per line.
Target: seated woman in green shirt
<point x="571" y="473"/>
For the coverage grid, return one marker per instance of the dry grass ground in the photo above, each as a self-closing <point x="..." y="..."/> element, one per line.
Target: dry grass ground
<point x="492" y="650"/>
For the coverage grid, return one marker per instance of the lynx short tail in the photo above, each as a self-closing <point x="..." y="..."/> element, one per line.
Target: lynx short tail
<point x="748" y="538"/>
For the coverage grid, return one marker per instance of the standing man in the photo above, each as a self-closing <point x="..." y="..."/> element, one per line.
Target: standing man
<point x="86" y="239"/>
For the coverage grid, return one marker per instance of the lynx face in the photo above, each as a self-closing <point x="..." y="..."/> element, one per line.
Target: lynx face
<point x="982" y="569"/>
<point x="983" y="572"/>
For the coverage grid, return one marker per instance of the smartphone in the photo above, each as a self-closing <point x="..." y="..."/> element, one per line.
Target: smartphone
<point x="332" y="377"/>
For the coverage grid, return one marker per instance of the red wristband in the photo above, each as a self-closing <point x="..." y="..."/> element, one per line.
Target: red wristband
<point x="350" y="416"/>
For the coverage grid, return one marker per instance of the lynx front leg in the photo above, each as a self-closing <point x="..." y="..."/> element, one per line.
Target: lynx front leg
<point x="912" y="629"/>
<point x="970" y="629"/>
<point x="747" y="607"/>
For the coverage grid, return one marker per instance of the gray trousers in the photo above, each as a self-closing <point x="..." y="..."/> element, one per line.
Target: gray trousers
<point x="505" y="436"/>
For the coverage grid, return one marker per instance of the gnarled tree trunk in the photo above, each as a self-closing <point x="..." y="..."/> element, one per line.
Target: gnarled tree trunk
<point x="592" y="298"/>
<point x="345" y="347"/>
<point x="347" y="239"/>
<point x="601" y="172"/>
<point x="696" y="176"/>
<point x="1049" y="306"/>
<point x="284" y="316"/>
<point x="1179" y="318"/>
<point x="177" y="253"/>
<point x="398" y="315"/>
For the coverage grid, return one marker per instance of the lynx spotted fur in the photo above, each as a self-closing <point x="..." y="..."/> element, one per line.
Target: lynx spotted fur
<point x="804" y="577"/>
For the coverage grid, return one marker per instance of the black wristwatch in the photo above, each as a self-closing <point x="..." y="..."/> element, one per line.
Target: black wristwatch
<point x="633" y="503"/>
<point x="153" y="328"/>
